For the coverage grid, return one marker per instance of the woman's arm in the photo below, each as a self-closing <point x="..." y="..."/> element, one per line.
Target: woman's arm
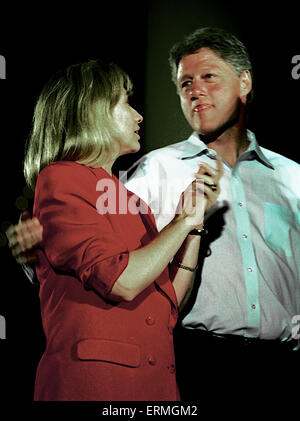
<point x="146" y="264"/>
<point x="183" y="279"/>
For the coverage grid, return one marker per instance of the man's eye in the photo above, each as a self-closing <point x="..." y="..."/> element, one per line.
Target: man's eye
<point x="209" y="76"/>
<point x="186" y="83"/>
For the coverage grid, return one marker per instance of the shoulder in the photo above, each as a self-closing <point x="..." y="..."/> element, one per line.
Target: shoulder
<point x="174" y="150"/>
<point x="67" y="171"/>
<point x="286" y="171"/>
<point x="162" y="157"/>
<point x="68" y="176"/>
<point x="281" y="162"/>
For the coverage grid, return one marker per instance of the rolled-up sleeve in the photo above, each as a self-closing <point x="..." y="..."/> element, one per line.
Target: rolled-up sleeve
<point x="76" y="238"/>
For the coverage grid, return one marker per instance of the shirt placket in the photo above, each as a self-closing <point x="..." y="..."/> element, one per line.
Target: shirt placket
<point x="250" y="268"/>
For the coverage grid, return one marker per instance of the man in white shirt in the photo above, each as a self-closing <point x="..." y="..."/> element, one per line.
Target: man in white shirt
<point x="247" y="292"/>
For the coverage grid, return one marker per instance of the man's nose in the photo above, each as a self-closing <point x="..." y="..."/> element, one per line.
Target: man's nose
<point x="197" y="90"/>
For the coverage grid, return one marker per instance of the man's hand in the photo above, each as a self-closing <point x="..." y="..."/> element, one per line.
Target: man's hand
<point x="23" y="238"/>
<point x="211" y="179"/>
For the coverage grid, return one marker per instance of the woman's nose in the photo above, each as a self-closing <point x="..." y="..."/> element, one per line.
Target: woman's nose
<point x="139" y="118"/>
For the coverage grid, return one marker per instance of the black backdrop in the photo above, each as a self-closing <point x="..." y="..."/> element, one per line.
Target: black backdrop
<point x="37" y="41"/>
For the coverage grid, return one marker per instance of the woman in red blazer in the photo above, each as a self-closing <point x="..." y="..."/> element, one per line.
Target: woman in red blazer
<point x="108" y="297"/>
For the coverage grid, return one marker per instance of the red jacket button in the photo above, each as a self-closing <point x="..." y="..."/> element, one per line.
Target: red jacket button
<point x="150" y="320"/>
<point x="151" y="360"/>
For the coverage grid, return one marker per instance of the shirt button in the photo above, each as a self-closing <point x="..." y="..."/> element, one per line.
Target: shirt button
<point x="151" y="360"/>
<point x="211" y="153"/>
<point x="245" y="236"/>
<point x="250" y="270"/>
<point x="150" y="320"/>
<point x="253" y="306"/>
<point x="240" y="204"/>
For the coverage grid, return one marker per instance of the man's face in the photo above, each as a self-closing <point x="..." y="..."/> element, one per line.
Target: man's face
<point x="210" y="92"/>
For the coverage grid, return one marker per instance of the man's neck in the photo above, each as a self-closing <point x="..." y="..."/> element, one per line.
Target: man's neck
<point x="230" y="145"/>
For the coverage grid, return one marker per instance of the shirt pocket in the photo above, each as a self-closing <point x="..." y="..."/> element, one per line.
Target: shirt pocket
<point x="278" y="222"/>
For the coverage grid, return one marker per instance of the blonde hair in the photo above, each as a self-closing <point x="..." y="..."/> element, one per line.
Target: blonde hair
<point x="72" y="118"/>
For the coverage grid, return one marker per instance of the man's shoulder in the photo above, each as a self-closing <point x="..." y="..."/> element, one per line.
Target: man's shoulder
<point x="156" y="162"/>
<point x="280" y="161"/>
<point x="174" y="150"/>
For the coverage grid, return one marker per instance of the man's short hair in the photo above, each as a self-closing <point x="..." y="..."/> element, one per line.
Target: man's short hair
<point x="227" y="46"/>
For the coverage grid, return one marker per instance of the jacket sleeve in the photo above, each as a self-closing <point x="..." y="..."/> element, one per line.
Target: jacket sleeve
<point x="76" y="238"/>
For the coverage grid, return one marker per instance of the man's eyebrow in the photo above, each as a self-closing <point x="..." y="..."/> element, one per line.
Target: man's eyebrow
<point x="186" y="76"/>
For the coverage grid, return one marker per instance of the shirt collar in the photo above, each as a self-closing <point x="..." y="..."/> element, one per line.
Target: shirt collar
<point x="195" y="147"/>
<point x="256" y="149"/>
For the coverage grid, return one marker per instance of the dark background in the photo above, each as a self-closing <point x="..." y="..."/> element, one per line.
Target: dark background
<point x="138" y="36"/>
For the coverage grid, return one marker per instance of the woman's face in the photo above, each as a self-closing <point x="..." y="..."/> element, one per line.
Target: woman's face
<point x="127" y="121"/>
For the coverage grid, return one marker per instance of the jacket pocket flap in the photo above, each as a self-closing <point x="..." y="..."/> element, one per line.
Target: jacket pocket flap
<point x="110" y="351"/>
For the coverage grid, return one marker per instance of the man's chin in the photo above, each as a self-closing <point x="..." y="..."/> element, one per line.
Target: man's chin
<point x="208" y="136"/>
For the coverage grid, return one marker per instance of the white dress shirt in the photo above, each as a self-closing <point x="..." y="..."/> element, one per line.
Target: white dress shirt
<point x="249" y="263"/>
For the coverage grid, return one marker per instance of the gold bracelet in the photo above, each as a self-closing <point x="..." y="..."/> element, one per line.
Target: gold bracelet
<point x="180" y="265"/>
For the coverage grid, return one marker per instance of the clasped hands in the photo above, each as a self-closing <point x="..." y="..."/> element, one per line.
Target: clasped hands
<point x="201" y="194"/>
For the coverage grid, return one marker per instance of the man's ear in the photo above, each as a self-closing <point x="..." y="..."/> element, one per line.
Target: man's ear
<point x="245" y="84"/>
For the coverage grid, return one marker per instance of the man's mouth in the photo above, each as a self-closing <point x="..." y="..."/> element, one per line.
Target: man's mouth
<point x="202" y="107"/>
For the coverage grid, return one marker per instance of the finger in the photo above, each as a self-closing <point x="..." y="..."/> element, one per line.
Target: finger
<point x="26" y="258"/>
<point x="35" y="230"/>
<point x="220" y="167"/>
<point x="29" y="233"/>
<point x="28" y="240"/>
<point x="22" y="243"/>
<point x="209" y="181"/>
<point x="211" y="197"/>
<point x="198" y="192"/>
<point x="190" y="197"/>
<point x="11" y="237"/>
<point x="16" y="251"/>
<point x="211" y="190"/>
<point x="206" y="169"/>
